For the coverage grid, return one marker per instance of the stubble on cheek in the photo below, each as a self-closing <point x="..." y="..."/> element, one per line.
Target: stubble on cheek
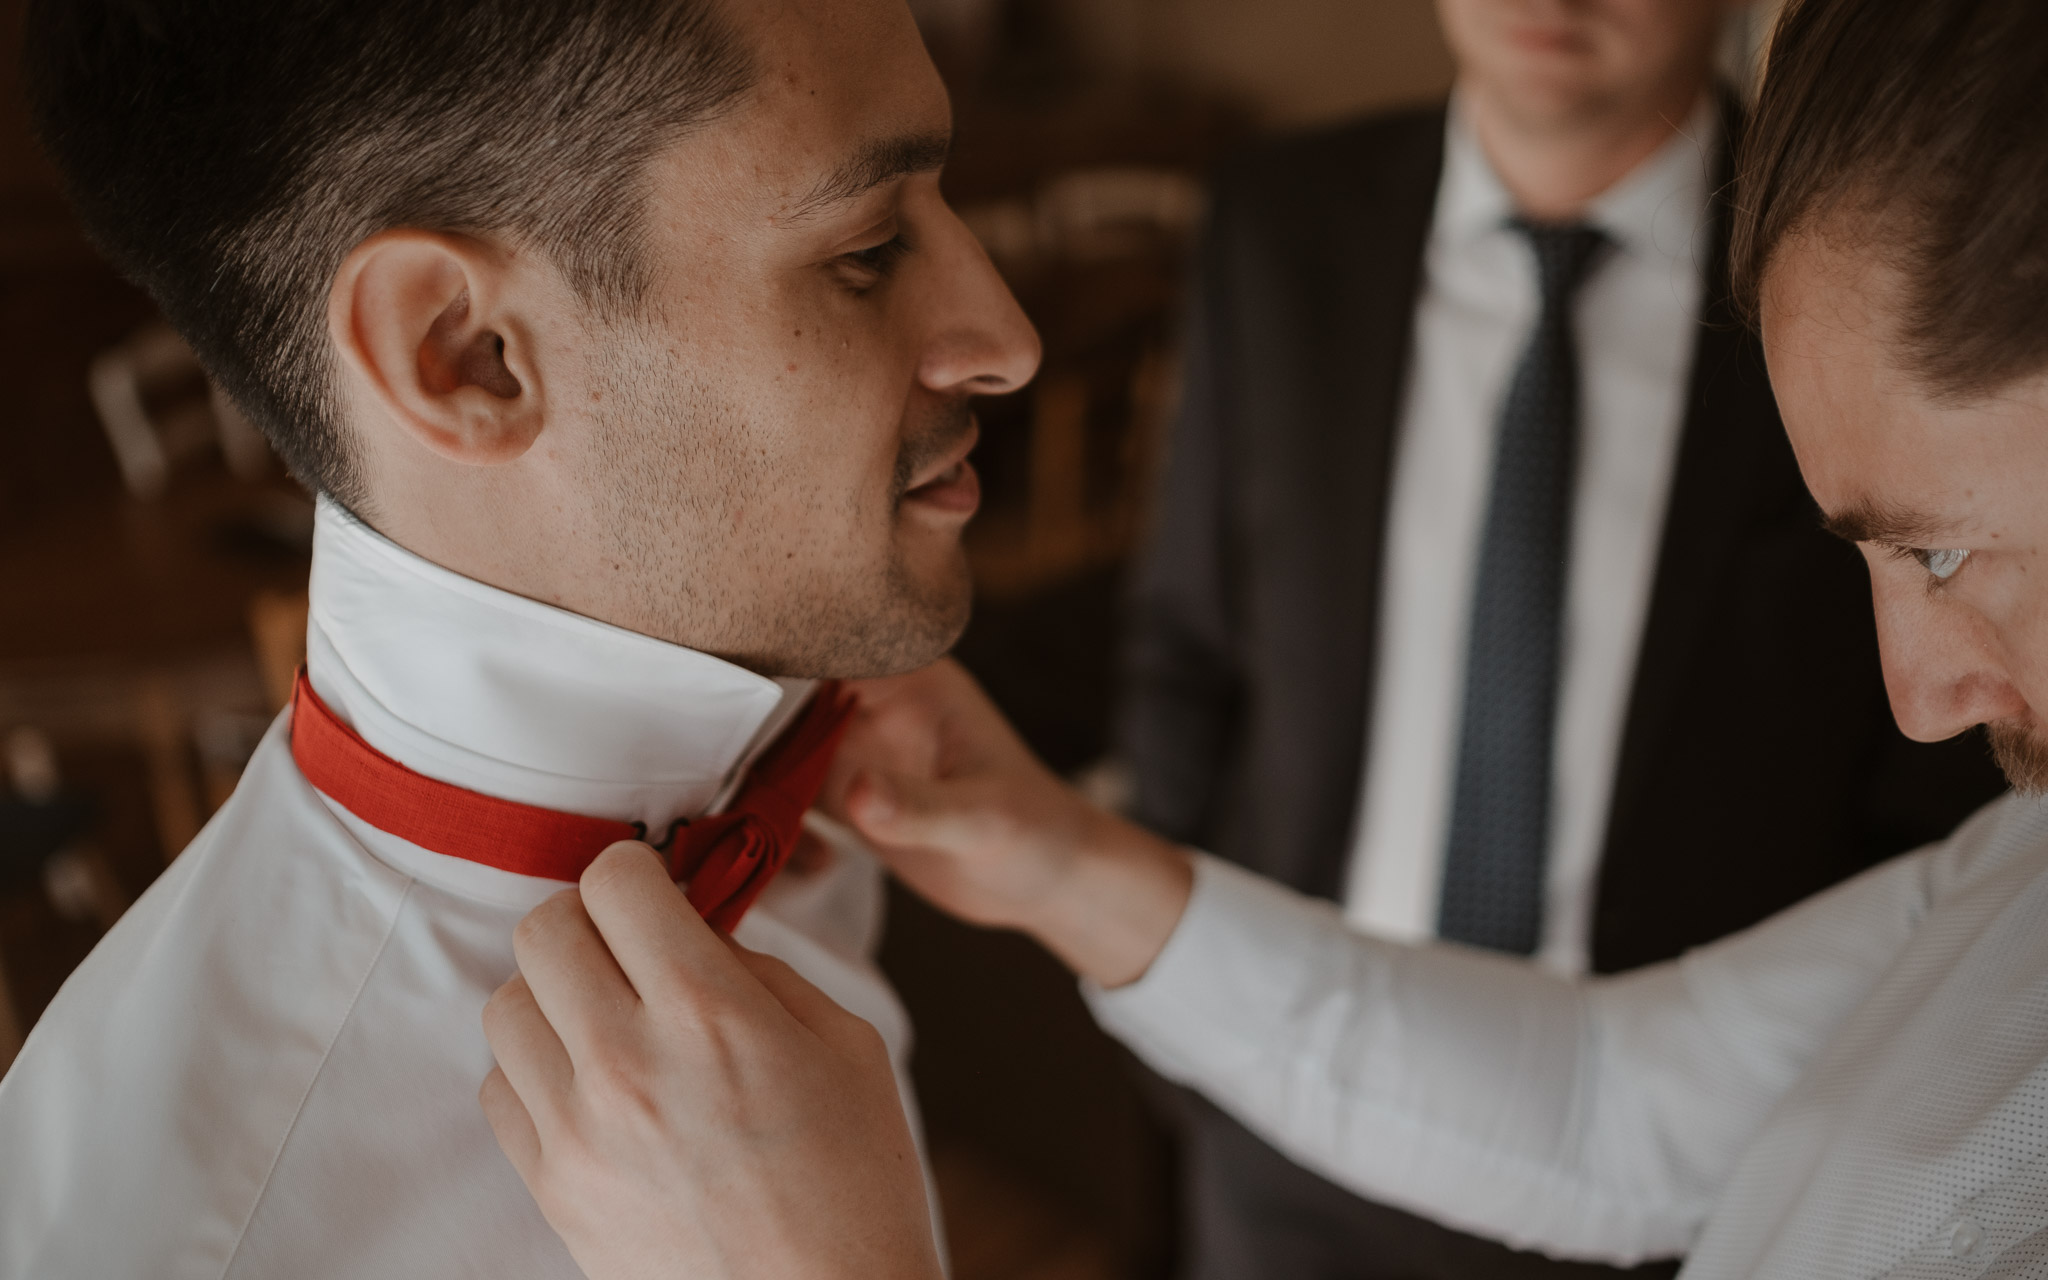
<point x="873" y="605"/>
<point x="757" y="553"/>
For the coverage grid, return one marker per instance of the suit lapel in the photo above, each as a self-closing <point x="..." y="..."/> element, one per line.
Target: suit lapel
<point x="1373" y="274"/>
<point x="1721" y="477"/>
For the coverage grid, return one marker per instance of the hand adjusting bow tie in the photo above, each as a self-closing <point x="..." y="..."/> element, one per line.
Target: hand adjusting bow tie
<point x="726" y="859"/>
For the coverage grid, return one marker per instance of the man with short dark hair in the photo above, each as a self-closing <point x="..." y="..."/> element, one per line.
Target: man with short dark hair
<point x="1484" y="583"/>
<point x="630" y="346"/>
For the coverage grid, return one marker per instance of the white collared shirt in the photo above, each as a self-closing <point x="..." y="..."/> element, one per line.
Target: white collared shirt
<point x="1637" y="320"/>
<point x="269" y="1067"/>
<point x="1855" y="1089"/>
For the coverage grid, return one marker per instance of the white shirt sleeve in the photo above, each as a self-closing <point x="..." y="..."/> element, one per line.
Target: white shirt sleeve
<point x="1592" y="1118"/>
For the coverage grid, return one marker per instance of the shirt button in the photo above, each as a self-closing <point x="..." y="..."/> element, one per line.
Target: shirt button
<point x="1963" y="1241"/>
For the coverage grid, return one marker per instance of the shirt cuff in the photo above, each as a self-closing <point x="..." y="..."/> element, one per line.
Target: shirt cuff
<point x="1219" y="989"/>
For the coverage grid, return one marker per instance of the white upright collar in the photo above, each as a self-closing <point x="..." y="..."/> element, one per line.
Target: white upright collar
<point x="521" y="700"/>
<point x="1657" y="210"/>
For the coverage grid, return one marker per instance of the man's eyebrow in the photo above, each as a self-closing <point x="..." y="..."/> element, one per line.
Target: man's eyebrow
<point x="875" y="163"/>
<point x="1871" y="522"/>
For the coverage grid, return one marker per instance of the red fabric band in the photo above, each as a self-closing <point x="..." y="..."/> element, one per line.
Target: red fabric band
<point x="727" y="859"/>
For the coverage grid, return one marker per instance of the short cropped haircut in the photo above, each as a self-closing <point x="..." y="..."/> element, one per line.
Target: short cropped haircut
<point x="1921" y="126"/>
<point x="228" y="154"/>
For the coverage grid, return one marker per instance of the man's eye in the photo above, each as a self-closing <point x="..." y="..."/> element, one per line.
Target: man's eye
<point x="1940" y="563"/>
<point x="879" y="259"/>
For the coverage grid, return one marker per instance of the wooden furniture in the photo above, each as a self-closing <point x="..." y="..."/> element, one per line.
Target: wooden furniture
<point x="159" y="408"/>
<point x="126" y="639"/>
<point x="10" y="1022"/>
<point x="1095" y="257"/>
<point x="277" y="630"/>
<point x="1087" y="200"/>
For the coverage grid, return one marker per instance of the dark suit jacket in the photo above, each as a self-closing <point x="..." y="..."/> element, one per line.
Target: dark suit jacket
<point x="1759" y="759"/>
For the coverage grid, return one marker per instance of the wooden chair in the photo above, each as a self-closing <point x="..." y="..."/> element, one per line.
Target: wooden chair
<point x="158" y="407"/>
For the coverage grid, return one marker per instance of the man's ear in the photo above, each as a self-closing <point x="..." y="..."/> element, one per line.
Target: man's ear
<point x="429" y="324"/>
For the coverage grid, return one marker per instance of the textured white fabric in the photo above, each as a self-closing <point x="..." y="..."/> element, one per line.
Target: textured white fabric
<point x="1637" y="322"/>
<point x="269" y="1067"/>
<point x="1856" y="1088"/>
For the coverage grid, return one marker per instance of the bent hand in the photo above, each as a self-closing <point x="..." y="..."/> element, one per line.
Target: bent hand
<point x="681" y="1106"/>
<point x="937" y="781"/>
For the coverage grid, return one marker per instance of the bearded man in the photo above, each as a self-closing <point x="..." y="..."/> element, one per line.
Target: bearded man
<point x="629" y="345"/>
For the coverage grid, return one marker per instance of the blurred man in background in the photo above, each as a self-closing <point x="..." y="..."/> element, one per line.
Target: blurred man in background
<point x="1485" y="595"/>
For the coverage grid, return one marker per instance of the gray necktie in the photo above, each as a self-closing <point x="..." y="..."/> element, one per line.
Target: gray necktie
<point x="1494" y="866"/>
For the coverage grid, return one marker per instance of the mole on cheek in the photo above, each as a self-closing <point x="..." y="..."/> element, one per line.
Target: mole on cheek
<point x="791" y="368"/>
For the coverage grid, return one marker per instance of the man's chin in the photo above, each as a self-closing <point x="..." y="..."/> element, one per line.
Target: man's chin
<point x="935" y="614"/>
<point x="911" y="621"/>
<point x="2022" y="752"/>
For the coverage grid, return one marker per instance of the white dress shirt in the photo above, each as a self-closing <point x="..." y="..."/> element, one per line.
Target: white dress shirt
<point x="1856" y="1088"/>
<point x="269" y="1068"/>
<point x="1637" y="320"/>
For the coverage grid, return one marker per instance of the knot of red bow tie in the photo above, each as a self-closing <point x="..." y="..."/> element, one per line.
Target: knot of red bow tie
<point x="726" y="859"/>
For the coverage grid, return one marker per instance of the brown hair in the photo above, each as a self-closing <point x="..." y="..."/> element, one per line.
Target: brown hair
<point x="1922" y="124"/>
<point x="227" y="154"/>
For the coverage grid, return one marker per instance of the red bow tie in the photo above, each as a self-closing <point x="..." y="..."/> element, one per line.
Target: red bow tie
<point x="727" y="859"/>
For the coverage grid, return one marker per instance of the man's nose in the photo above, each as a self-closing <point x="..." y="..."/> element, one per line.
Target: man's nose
<point x="1943" y="668"/>
<point x="982" y="343"/>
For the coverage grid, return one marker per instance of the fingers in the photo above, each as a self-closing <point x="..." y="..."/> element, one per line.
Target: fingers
<point x="899" y="810"/>
<point x="888" y="732"/>
<point x="530" y="1055"/>
<point x="655" y="936"/>
<point x="817" y="1011"/>
<point x="932" y="723"/>
<point x="574" y="980"/>
<point x="511" y="1122"/>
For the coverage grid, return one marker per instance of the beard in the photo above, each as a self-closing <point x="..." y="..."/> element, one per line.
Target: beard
<point x="904" y="617"/>
<point x="2022" y="752"/>
<point x="831" y="593"/>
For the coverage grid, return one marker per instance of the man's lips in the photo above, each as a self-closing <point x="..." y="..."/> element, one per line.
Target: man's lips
<point x="1556" y="40"/>
<point x="950" y="483"/>
<point x="957" y="489"/>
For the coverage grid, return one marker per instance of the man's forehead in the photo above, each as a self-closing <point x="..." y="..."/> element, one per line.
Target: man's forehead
<point x="1889" y="460"/>
<point x="840" y="109"/>
<point x="844" y="73"/>
<point x="1831" y="369"/>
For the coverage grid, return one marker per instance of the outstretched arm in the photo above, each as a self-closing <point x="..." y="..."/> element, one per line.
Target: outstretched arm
<point x="682" y="1106"/>
<point x="1593" y="1119"/>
